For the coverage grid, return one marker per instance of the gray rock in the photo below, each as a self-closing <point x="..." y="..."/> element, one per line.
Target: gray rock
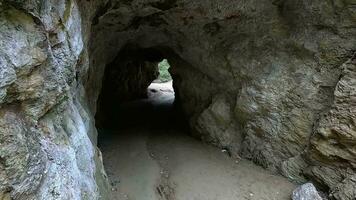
<point x="46" y="149"/>
<point x="306" y="192"/>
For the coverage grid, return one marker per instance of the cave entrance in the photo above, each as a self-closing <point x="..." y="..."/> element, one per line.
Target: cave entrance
<point x="147" y="149"/>
<point x="137" y="113"/>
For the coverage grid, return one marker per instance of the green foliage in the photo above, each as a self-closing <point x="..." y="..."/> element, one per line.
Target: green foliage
<point x="164" y="75"/>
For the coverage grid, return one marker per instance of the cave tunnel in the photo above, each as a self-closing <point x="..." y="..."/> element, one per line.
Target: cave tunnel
<point x="148" y="147"/>
<point x="262" y="104"/>
<point x="235" y="89"/>
<point x="134" y="77"/>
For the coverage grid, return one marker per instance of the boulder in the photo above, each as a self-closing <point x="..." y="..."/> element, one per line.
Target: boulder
<point x="306" y="192"/>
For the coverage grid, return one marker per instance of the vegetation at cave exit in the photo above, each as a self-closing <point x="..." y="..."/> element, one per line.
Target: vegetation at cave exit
<point x="164" y="75"/>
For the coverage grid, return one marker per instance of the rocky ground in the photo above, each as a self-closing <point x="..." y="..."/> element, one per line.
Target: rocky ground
<point x="152" y="157"/>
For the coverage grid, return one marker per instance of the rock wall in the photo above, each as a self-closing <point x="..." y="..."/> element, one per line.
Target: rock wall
<point x="273" y="81"/>
<point x="47" y="135"/>
<point x="332" y="150"/>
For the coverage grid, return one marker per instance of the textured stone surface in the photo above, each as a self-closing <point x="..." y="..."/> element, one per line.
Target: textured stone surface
<point x="334" y="140"/>
<point x="339" y="123"/>
<point x="47" y="135"/>
<point x="306" y="192"/>
<point x="254" y="79"/>
<point x="273" y="81"/>
<point x="217" y="126"/>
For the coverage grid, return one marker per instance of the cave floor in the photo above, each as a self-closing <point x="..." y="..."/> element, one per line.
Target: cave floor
<point x="151" y="157"/>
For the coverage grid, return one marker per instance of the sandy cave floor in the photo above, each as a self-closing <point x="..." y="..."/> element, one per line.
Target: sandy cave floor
<point x="150" y="157"/>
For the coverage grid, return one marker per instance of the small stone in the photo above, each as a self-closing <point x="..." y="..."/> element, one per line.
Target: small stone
<point x="306" y="192"/>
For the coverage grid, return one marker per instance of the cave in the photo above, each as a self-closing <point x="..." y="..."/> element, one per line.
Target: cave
<point x="262" y="105"/>
<point x="148" y="149"/>
<point x="136" y="74"/>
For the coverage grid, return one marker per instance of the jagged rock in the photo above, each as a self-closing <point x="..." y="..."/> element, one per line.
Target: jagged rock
<point x="345" y="189"/>
<point x="215" y="125"/>
<point x="45" y="146"/>
<point x="306" y="192"/>
<point x="292" y="167"/>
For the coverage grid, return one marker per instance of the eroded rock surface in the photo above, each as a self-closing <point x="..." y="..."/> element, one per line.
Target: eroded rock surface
<point x="272" y="81"/>
<point x="47" y="134"/>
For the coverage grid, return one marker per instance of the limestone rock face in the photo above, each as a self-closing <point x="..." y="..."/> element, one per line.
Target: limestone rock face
<point x="272" y="81"/>
<point x="47" y="135"/>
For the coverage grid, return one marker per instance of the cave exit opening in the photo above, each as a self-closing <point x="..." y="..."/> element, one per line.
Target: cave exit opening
<point x="160" y="91"/>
